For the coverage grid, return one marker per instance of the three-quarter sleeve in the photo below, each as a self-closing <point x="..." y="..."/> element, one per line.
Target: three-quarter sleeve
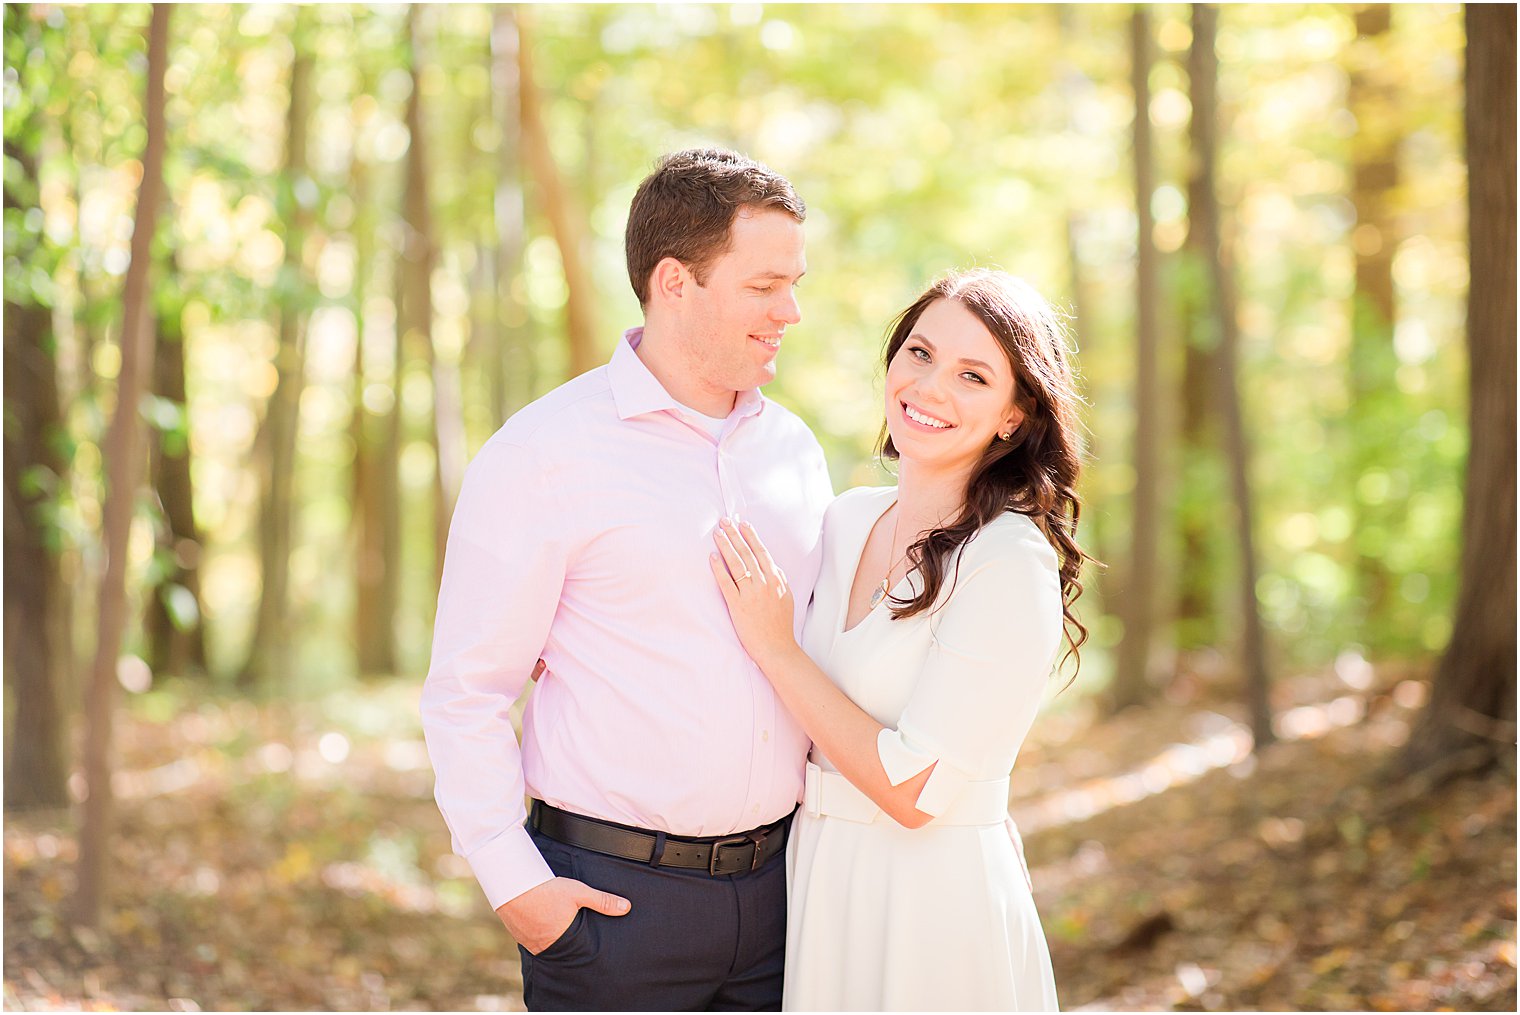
<point x="995" y="640"/>
<point x="502" y="575"/>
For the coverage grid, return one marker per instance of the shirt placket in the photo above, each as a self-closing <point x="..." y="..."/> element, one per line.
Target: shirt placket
<point x="762" y="699"/>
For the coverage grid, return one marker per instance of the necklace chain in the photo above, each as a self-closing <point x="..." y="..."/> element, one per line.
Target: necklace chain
<point x="884" y="586"/>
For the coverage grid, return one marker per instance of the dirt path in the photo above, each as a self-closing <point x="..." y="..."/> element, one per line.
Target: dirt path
<point x="292" y="858"/>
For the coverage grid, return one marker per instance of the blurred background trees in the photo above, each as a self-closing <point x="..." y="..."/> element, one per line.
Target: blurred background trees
<point x="385" y="229"/>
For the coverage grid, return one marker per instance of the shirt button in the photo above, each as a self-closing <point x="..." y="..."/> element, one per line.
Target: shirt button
<point x="765" y="735"/>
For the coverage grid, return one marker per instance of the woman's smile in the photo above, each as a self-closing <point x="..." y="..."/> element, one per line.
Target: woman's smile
<point x="923" y="419"/>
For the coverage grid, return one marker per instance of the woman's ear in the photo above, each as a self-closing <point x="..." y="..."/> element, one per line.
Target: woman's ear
<point x="1011" y="421"/>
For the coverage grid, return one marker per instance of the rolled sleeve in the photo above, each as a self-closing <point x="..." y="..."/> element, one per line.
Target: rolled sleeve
<point x="503" y="571"/>
<point x="982" y="684"/>
<point x="902" y="760"/>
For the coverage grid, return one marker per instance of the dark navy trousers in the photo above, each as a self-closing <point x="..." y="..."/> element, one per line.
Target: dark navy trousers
<point x="690" y="942"/>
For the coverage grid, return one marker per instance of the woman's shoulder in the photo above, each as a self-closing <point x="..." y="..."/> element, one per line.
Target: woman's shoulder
<point x="1012" y="540"/>
<point x="859" y="502"/>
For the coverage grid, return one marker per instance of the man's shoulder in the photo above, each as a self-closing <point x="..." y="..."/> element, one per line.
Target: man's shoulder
<point x="559" y="416"/>
<point x="783" y="422"/>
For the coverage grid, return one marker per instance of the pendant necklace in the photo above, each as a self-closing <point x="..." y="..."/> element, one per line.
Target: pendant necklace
<point x="880" y="592"/>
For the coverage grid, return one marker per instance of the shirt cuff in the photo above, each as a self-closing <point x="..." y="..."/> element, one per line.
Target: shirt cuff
<point x="902" y="760"/>
<point x="509" y="865"/>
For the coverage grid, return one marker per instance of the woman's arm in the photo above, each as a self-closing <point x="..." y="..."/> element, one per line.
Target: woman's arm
<point x="761" y="608"/>
<point x="978" y="689"/>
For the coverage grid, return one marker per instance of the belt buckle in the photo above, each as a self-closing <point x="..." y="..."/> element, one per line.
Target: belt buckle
<point x="737" y="840"/>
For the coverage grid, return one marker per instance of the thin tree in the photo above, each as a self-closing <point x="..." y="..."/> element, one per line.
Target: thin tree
<point x="1131" y="683"/>
<point x="1203" y="69"/>
<point x="559" y="204"/>
<point x="1076" y="88"/>
<point x="175" y="633"/>
<point x="35" y="470"/>
<point x="123" y="464"/>
<point x="1470" y="721"/>
<point x="269" y="653"/>
<point x="1372" y="98"/>
<point x="513" y="362"/>
<point x="415" y="317"/>
<point x="1196" y="611"/>
<point x="376" y="579"/>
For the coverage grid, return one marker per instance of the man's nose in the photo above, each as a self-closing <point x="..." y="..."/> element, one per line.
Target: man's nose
<point x="786" y="309"/>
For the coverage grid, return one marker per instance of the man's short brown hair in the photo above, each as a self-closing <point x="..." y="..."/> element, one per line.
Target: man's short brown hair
<point x="686" y="207"/>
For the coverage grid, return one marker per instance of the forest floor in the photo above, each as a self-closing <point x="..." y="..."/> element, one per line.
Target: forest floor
<point x="291" y="857"/>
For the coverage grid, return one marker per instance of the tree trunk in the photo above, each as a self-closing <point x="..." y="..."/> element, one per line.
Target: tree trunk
<point x="445" y="428"/>
<point x="1204" y="70"/>
<point x="1131" y="683"/>
<point x="565" y="219"/>
<point x="513" y="363"/>
<point x="1200" y="482"/>
<point x="1470" y="721"/>
<point x="1074" y="87"/>
<point x="269" y="655"/>
<point x="123" y="464"/>
<point x="1377" y="408"/>
<point x="374" y="612"/>
<point x="1097" y="597"/>
<point x="175" y="632"/>
<point x="35" y="656"/>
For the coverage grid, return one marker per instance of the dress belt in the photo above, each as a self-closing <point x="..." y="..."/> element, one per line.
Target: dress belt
<point x="831" y="794"/>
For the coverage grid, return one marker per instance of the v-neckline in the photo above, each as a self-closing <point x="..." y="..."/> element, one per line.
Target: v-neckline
<point x="844" y="615"/>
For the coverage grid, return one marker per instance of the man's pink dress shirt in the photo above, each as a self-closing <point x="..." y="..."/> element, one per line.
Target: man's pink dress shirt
<point x="582" y="536"/>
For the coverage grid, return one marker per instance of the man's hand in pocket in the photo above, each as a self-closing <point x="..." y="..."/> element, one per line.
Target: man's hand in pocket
<point x="540" y="916"/>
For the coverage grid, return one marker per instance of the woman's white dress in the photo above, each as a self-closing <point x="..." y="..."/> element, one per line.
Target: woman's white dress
<point x="939" y="918"/>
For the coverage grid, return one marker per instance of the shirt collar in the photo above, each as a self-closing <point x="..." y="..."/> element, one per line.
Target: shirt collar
<point x="636" y="391"/>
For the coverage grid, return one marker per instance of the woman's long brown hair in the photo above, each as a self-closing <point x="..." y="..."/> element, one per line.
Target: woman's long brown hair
<point x="1034" y="472"/>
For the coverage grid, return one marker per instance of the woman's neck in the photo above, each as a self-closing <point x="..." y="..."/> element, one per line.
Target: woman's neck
<point x="928" y="498"/>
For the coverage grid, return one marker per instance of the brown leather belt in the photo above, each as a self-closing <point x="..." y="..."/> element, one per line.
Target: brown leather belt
<point x="717" y="855"/>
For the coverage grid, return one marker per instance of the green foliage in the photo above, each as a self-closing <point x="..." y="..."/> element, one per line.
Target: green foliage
<point x="973" y="135"/>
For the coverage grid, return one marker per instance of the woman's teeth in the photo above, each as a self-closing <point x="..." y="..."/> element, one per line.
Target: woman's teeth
<point x="919" y="417"/>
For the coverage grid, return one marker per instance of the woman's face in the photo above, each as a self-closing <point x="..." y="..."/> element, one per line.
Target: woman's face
<point x="950" y="390"/>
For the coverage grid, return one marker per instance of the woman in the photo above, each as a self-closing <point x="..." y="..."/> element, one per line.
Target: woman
<point x="931" y="634"/>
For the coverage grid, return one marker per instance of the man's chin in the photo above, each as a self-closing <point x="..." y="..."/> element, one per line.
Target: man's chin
<point x="757" y="377"/>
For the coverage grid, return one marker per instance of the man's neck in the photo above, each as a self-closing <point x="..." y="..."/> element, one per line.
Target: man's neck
<point x="658" y="352"/>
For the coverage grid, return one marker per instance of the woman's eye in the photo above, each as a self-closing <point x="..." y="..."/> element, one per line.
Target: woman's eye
<point x="975" y="377"/>
<point x="918" y="352"/>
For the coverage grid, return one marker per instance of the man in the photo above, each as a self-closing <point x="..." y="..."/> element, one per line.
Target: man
<point x="663" y="770"/>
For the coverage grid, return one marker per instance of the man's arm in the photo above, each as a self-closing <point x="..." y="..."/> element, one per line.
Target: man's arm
<point x="502" y="577"/>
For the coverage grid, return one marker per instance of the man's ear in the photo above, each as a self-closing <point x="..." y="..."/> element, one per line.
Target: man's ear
<point x="668" y="280"/>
